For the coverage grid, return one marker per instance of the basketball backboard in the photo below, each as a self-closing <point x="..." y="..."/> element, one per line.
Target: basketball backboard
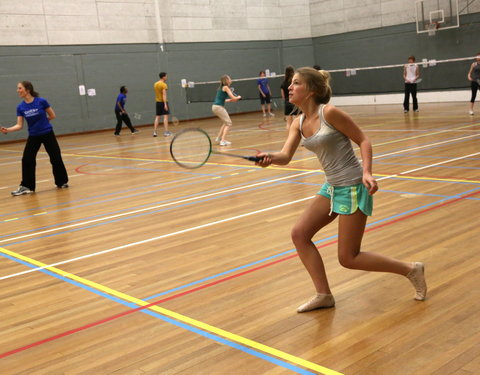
<point x="436" y="15"/>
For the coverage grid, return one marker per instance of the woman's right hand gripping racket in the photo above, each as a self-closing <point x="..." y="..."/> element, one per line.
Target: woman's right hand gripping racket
<point x="191" y="148"/>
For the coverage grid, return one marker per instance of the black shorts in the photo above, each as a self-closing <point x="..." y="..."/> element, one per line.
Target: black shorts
<point x="265" y="99"/>
<point x="160" y="109"/>
<point x="290" y="109"/>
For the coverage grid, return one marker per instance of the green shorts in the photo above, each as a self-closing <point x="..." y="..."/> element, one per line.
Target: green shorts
<point x="346" y="199"/>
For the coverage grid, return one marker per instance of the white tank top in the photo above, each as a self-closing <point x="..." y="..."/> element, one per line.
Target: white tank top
<point x="335" y="153"/>
<point x="411" y="72"/>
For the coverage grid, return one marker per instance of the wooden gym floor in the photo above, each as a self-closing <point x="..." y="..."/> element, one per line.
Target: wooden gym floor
<point x="142" y="267"/>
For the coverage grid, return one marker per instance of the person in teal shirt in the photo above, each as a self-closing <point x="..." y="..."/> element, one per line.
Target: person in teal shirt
<point x="224" y="94"/>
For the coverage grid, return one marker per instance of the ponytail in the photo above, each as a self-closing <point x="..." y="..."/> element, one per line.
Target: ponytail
<point x="29" y="87"/>
<point x="318" y="82"/>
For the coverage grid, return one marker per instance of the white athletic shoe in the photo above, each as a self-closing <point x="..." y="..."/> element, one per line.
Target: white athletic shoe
<point x="225" y="143"/>
<point x="22" y="190"/>
<point x="470" y="113"/>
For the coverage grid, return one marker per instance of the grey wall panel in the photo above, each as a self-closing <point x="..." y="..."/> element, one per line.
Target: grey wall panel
<point x="57" y="71"/>
<point x="393" y="45"/>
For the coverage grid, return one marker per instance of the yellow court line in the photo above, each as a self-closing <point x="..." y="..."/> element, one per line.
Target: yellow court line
<point x="182" y="318"/>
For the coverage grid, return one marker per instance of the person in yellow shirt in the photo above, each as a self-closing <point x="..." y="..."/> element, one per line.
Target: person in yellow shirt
<point x="160" y="87"/>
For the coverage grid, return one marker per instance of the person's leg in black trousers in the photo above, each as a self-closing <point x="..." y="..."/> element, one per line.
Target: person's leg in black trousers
<point x="118" y="127"/>
<point x="407" y="97"/>
<point x="53" y="150"/>
<point x="413" y="90"/>
<point x="126" y="120"/>
<point x="29" y="162"/>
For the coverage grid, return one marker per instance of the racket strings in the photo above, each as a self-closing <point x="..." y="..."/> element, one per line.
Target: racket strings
<point x="191" y="148"/>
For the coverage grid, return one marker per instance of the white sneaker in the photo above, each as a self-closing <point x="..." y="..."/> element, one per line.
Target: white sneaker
<point x="470" y="113"/>
<point x="264" y="115"/>
<point x="217" y="139"/>
<point x="271" y="114"/>
<point x="154" y="134"/>
<point x="22" y="190"/>
<point x="225" y="143"/>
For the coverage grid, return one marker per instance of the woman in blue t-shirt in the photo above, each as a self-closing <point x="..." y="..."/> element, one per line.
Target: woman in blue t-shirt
<point x="120" y="112"/>
<point x="265" y="94"/>
<point x="38" y="114"/>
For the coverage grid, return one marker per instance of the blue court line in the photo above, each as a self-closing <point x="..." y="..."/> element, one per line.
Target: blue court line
<point x="141" y="206"/>
<point x="166" y="319"/>
<point x="397" y="177"/>
<point x="151" y="212"/>
<point x="414" y="152"/>
<point x="171" y="186"/>
<point x="389" y="191"/>
<point x="430" y="157"/>
<point x="424" y="165"/>
<point x="293" y="250"/>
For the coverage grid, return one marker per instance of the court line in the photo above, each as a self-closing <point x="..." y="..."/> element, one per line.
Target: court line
<point x="370" y="227"/>
<point x="440" y="163"/>
<point x="158" y="237"/>
<point x="191" y="228"/>
<point x="177" y="316"/>
<point x="155" y="207"/>
<point x="410" y="138"/>
<point x="156" y="315"/>
<point x="374" y="157"/>
<point x="427" y="208"/>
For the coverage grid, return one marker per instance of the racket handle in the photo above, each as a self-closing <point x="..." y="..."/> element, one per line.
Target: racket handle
<point x="253" y="158"/>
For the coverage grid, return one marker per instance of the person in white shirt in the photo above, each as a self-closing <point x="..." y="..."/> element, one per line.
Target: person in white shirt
<point x="410" y="74"/>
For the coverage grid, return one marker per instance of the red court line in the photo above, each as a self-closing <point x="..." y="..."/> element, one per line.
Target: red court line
<point x="131" y="311"/>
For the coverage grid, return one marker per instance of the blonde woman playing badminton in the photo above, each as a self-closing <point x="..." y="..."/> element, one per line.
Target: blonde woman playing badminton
<point x="224" y="94"/>
<point x="347" y="193"/>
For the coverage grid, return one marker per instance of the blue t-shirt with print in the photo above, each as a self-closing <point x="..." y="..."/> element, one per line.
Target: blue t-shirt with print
<point x="121" y="98"/>
<point x="263" y="82"/>
<point x="36" y="116"/>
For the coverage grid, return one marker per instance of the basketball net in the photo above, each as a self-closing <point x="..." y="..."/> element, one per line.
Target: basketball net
<point x="432" y="28"/>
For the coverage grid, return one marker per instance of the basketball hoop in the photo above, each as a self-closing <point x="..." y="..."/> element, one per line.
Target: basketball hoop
<point x="432" y="28"/>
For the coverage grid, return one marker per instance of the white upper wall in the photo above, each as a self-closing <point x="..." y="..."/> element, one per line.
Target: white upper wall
<point x="57" y="22"/>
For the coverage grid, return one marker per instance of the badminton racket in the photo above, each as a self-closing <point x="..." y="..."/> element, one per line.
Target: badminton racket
<point x="191" y="148"/>
<point x="175" y="121"/>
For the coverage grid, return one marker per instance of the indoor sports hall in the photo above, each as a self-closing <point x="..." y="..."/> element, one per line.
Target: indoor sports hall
<point x="122" y="254"/>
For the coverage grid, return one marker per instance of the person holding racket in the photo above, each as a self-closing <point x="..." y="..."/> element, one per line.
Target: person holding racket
<point x="411" y="73"/>
<point x="474" y="78"/>
<point x="121" y="114"/>
<point x="161" y="104"/>
<point x="38" y="113"/>
<point x="224" y="94"/>
<point x="289" y="109"/>
<point x="346" y="194"/>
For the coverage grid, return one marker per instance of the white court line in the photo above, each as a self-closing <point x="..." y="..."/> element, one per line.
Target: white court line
<point x="441" y="162"/>
<point x="156" y="238"/>
<point x="155" y="207"/>
<point x="425" y="146"/>
<point x="211" y="223"/>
